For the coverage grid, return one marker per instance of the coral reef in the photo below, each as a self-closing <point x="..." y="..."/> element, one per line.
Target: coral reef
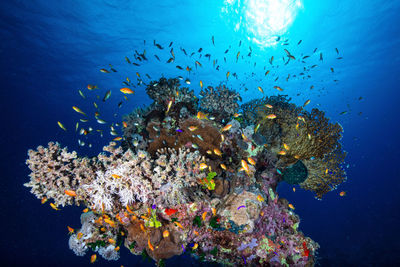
<point x="183" y="181"/>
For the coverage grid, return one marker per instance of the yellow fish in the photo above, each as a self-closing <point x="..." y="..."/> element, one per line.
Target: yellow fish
<point x="61" y="126"/>
<point x="209" y="152"/>
<point x="260" y="198"/>
<point x="214" y="211"/>
<point x="44" y="200"/>
<point x="115" y="176"/>
<point x="223" y="166"/>
<point x="227" y="74"/>
<point x="260" y="89"/>
<point x="165" y="233"/>
<point x="245" y="166"/>
<point x="53" y="206"/>
<point x="268" y="106"/>
<point x="192" y="128"/>
<point x="195" y="246"/>
<point x="78" y="110"/>
<point x="201" y="84"/>
<point x="282" y="153"/>
<point x="169" y="106"/>
<point x="286" y="146"/>
<point x="294" y="189"/>
<point x="291" y="206"/>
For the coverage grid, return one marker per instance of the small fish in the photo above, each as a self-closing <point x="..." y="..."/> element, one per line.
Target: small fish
<point x="214" y="211"/>
<point x="127" y="60"/>
<point x="271" y="116"/>
<point x="321" y="58"/>
<point x="195" y="246"/>
<point x="169" y="106"/>
<point x="268" y="106"/>
<point x="226" y="128"/>
<point x="223" y="166"/>
<point x="291" y="206"/>
<point x="192" y="128"/>
<point x="342" y="194"/>
<point x="337" y="51"/>
<point x="82" y="95"/>
<point x="93" y="258"/>
<point x="257" y="127"/>
<point x="260" y="198"/>
<point x="187" y="81"/>
<point x="169" y="211"/>
<point x="170" y="60"/>
<point x="126" y="90"/>
<point x="332" y="70"/>
<point x="195" y="146"/>
<point x="260" y="89"/>
<point x="44" y="200"/>
<point x="309" y="136"/>
<point x="70" y="230"/>
<point x="278" y="88"/>
<point x="343" y="112"/>
<point x="118" y="138"/>
<point x="286" y="146"/>
<point x="203" y="166"/>
<point x="201" y="84"/>
<point x="107" y="95"/>
<point x="70" y="193"/>
<point x="306" y="103"/>
<point x="204" y="215"/>
<point x="78" y="110"/>
<point x="85" y="210"/>
<point x="271" y="60"/>
<point x="217" y="152"/>
<point x="61" y="126"/>
<point x="294" y="189"/>
<point x="227" y="74"/>
<point x="251" y="161"/>
<point x="237" y="56"/>
<point x="165" y="234"/>
<point x="53" y="206"/>
<point x="79" y="235"/>
<point x="245" y="166"/>
<point x="198" y="63"/>
<point x="266" y="73"/>
<point x="209" y="152"/>
<point x="101" y="121"/>
<point x="282" y="153"/>
<point x="111" y="241"/>
<point x="299" y="42"/>
<point x="91" y="87"/>
<point x="104" y="71"/>
<point x="212" y="39"/>
<point x="179" y="225"/>
<point x="201" y="116"/>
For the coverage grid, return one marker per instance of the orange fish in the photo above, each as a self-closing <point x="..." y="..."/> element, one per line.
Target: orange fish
<point x="268" y="106"/>
<point x="118" y="138"/>
<point x="179" y="225"/>
<point x="169" y="211"/>
<point x="227" y="74"/>
<point x="125" y="124"/>
<point x="85" y="210"/>
<point x="44" y="200"/>
<point x="217" y="152"/>
<point x="278" y="88"/>
<point x="192" y="128"/>
<point x="110" y="222"/>
<point x="201" y="116"/>
<point x="115" y="176"/>
<point x="201" y="84"/>
<point x="79" y="235"/>
<point x="195" y="232"/>
<point x="111" y="241"/>
<point x="260" y="89"/>
<point x="286" y="146"/>
<point x="204" y="215"/>
<point x="236" y="115"/>
<point x="165" y="234"/>
<point x="91" y="86"/>
<point x="117" y="248"/>
<point x="214" y="211"/>
<point x="198" y="63"/>
<point x="126" y="90"/>
<point x="251" y="161"/>
<point x="70" y="193"/>
<point x="70" y="230"/>
<point x="203" y="166"/>
<point x="226" y="128"/>
<point x="245" y="166"/>
<point x="342" y="194"/>
<point x="271" y="116"/>
<point x="150" y="245"/>
<point x="307" y="102"/>
<point x="93" y="258"/>
<point x="223" y="166"/>
<point x="291" y="206"/>
<point x="282" y="153"/>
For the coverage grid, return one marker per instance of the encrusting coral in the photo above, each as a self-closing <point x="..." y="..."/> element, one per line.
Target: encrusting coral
<point x="198" y="179"/>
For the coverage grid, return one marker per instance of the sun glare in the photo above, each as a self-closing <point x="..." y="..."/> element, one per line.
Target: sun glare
<point x="262" y="20"/>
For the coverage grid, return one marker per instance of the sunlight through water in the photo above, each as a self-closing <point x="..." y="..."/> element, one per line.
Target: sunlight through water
<point x="262" y="21"/>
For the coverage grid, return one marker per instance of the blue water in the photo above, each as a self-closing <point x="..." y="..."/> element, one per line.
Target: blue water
<point x="50" y="49"/>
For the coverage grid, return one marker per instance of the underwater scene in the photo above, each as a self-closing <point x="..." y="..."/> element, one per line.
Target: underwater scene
<point x="200" y="133"/>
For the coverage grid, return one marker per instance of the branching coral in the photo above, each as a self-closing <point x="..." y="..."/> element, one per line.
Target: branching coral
<point x="220" y="101"/>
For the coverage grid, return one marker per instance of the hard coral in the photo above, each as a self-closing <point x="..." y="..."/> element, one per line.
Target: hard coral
<point x="221" y="101"/>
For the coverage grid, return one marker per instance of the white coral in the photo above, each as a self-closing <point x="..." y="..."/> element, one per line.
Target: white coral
<point x="109" y="253"/>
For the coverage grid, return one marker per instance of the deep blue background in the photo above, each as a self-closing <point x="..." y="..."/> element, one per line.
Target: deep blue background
<point x="50" y="49"/>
